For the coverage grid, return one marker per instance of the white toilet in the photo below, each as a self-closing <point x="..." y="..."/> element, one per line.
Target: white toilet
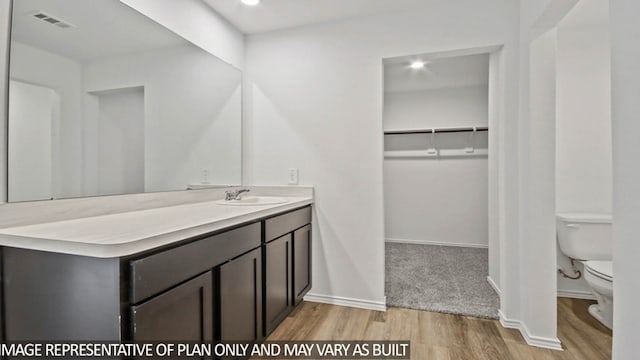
<point x="587" y="238"/>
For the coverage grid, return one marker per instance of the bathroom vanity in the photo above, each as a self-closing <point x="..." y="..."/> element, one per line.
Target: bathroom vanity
<point x="159" y="263"/>
<point x="232" y="277"/>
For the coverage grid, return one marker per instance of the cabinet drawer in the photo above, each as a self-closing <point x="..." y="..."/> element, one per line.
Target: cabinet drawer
<point x="155" y="273"/>
<point x="283" y="224"/>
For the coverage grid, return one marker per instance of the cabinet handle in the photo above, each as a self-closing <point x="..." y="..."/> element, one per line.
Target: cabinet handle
<point x="255" y="298"/>
<point x="288" y="260"/>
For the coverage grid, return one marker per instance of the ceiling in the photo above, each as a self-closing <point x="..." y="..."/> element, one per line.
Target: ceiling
<point x="279" y="14"/>
<point x="102" y="28"/>
<point x="587" y="13"/>
<point x="448" y="72"/>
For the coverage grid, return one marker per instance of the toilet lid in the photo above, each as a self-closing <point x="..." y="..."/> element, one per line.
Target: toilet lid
<point x="592" y="218"/>
<point x="602" y="269"/>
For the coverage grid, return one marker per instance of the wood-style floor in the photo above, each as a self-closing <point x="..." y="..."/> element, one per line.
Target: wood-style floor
<point x="442" y="336"/>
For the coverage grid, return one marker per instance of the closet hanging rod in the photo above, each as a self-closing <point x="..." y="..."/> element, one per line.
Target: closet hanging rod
<point x="438" y="130"/>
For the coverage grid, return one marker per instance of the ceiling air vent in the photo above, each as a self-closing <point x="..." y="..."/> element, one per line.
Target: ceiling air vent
<point x="52" y="20"/>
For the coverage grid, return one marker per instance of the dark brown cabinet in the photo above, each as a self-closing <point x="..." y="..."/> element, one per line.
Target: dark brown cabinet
<point x="155" y="273"/>
<point x="187" y="312"/>
<point x="287" y="264"/>
<point x="241" y="298"/>
<point x="184" y="313"/>
<point x="278" y="301"/>
<point x="301" y="263"/>
<point x="237" y="284"/>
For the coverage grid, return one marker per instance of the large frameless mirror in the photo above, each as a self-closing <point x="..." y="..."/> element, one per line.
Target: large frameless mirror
<point x="103" y="100"/>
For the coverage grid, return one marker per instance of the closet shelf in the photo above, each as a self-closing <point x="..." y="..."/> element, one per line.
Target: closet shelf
<point x="436" y="130"/>
<point x="435" y="154"/>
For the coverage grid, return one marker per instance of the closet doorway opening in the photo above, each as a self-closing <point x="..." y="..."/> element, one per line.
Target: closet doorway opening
<point x="436" y="119"/>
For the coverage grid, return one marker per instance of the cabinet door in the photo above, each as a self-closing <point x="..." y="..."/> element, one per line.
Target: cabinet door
<point x="241" y="298"/>
<point x="301" y="263"/>
<point x="184" y="313"/>
<point x="278" y="302"/>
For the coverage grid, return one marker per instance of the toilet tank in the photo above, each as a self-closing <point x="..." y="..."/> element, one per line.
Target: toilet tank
<point x="585" y="236"/>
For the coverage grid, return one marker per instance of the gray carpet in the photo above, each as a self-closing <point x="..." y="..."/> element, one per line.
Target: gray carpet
<point x="444" y="279"/>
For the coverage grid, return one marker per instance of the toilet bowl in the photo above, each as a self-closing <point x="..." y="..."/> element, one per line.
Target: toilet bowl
<point x="587" y="237"/>
<point x="599" y="276"/>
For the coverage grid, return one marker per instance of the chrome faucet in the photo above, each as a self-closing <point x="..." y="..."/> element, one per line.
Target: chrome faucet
<point x="234" y="194"/>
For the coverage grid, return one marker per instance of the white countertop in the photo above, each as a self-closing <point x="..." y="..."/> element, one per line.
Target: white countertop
<point x="127" y="233"/>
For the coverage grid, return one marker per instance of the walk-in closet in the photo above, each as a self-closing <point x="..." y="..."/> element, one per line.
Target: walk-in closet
<point x="436" y="141"/>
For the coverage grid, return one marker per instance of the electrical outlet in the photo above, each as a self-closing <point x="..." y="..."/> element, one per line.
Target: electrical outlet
<point x="292" y="176"/>
<point x="205" y="176"/>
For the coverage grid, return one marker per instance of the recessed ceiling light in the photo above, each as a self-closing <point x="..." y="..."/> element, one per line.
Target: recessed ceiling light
<point x="416" y="65"/>
<point x="251" y="2"/>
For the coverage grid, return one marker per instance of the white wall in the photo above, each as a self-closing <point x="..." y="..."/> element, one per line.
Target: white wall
<point x="314" y="101"/>
<point x="180" y="139"/>
<point x="121" y="141"/>
<point x="583" y="130"/>
<point x="65" y="77"/>
<point x="5" y="15"/>
<point x="583" y="168"/>
<point x="528" y="258"/>
<point x="538" y="233"/>
<point x="625" y="87"/>
<point x="436" y="200"/>
<point x="34" y="109"/>
<point x="195" y="21"/>
<point x="446" y="107"/>
<point x="176" y="151"/>
<point x="496" y="163"/>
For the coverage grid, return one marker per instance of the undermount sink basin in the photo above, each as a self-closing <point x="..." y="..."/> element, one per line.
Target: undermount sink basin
<point x="253" y="201"/>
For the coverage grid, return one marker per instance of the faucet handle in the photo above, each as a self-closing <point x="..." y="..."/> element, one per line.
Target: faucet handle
<point x="230" y="194"/>
<point x="234" y="194"/>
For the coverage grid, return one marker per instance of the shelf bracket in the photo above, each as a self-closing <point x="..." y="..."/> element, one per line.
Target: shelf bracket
<point x="432" y="150"/>
<point x="469" y="149"/>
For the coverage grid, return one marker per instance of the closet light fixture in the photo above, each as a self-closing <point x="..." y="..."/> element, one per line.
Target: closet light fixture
<point x="418" y="64"/>
<point x="251" y="2"/>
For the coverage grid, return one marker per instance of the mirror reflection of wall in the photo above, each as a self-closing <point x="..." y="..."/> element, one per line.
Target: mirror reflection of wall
<point x="115" y="104"/>
<point x="34" y="114"/>
<point x="119" y="140"/>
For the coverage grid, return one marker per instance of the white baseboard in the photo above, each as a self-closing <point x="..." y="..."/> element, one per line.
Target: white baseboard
<point x="494" y="286"/>
<point x="440" y="243"/>
<point x="508" y="323"/>
<point x="576" y="294"/>
<point x="537" y="341"/>
<point x="343" y="301"/>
